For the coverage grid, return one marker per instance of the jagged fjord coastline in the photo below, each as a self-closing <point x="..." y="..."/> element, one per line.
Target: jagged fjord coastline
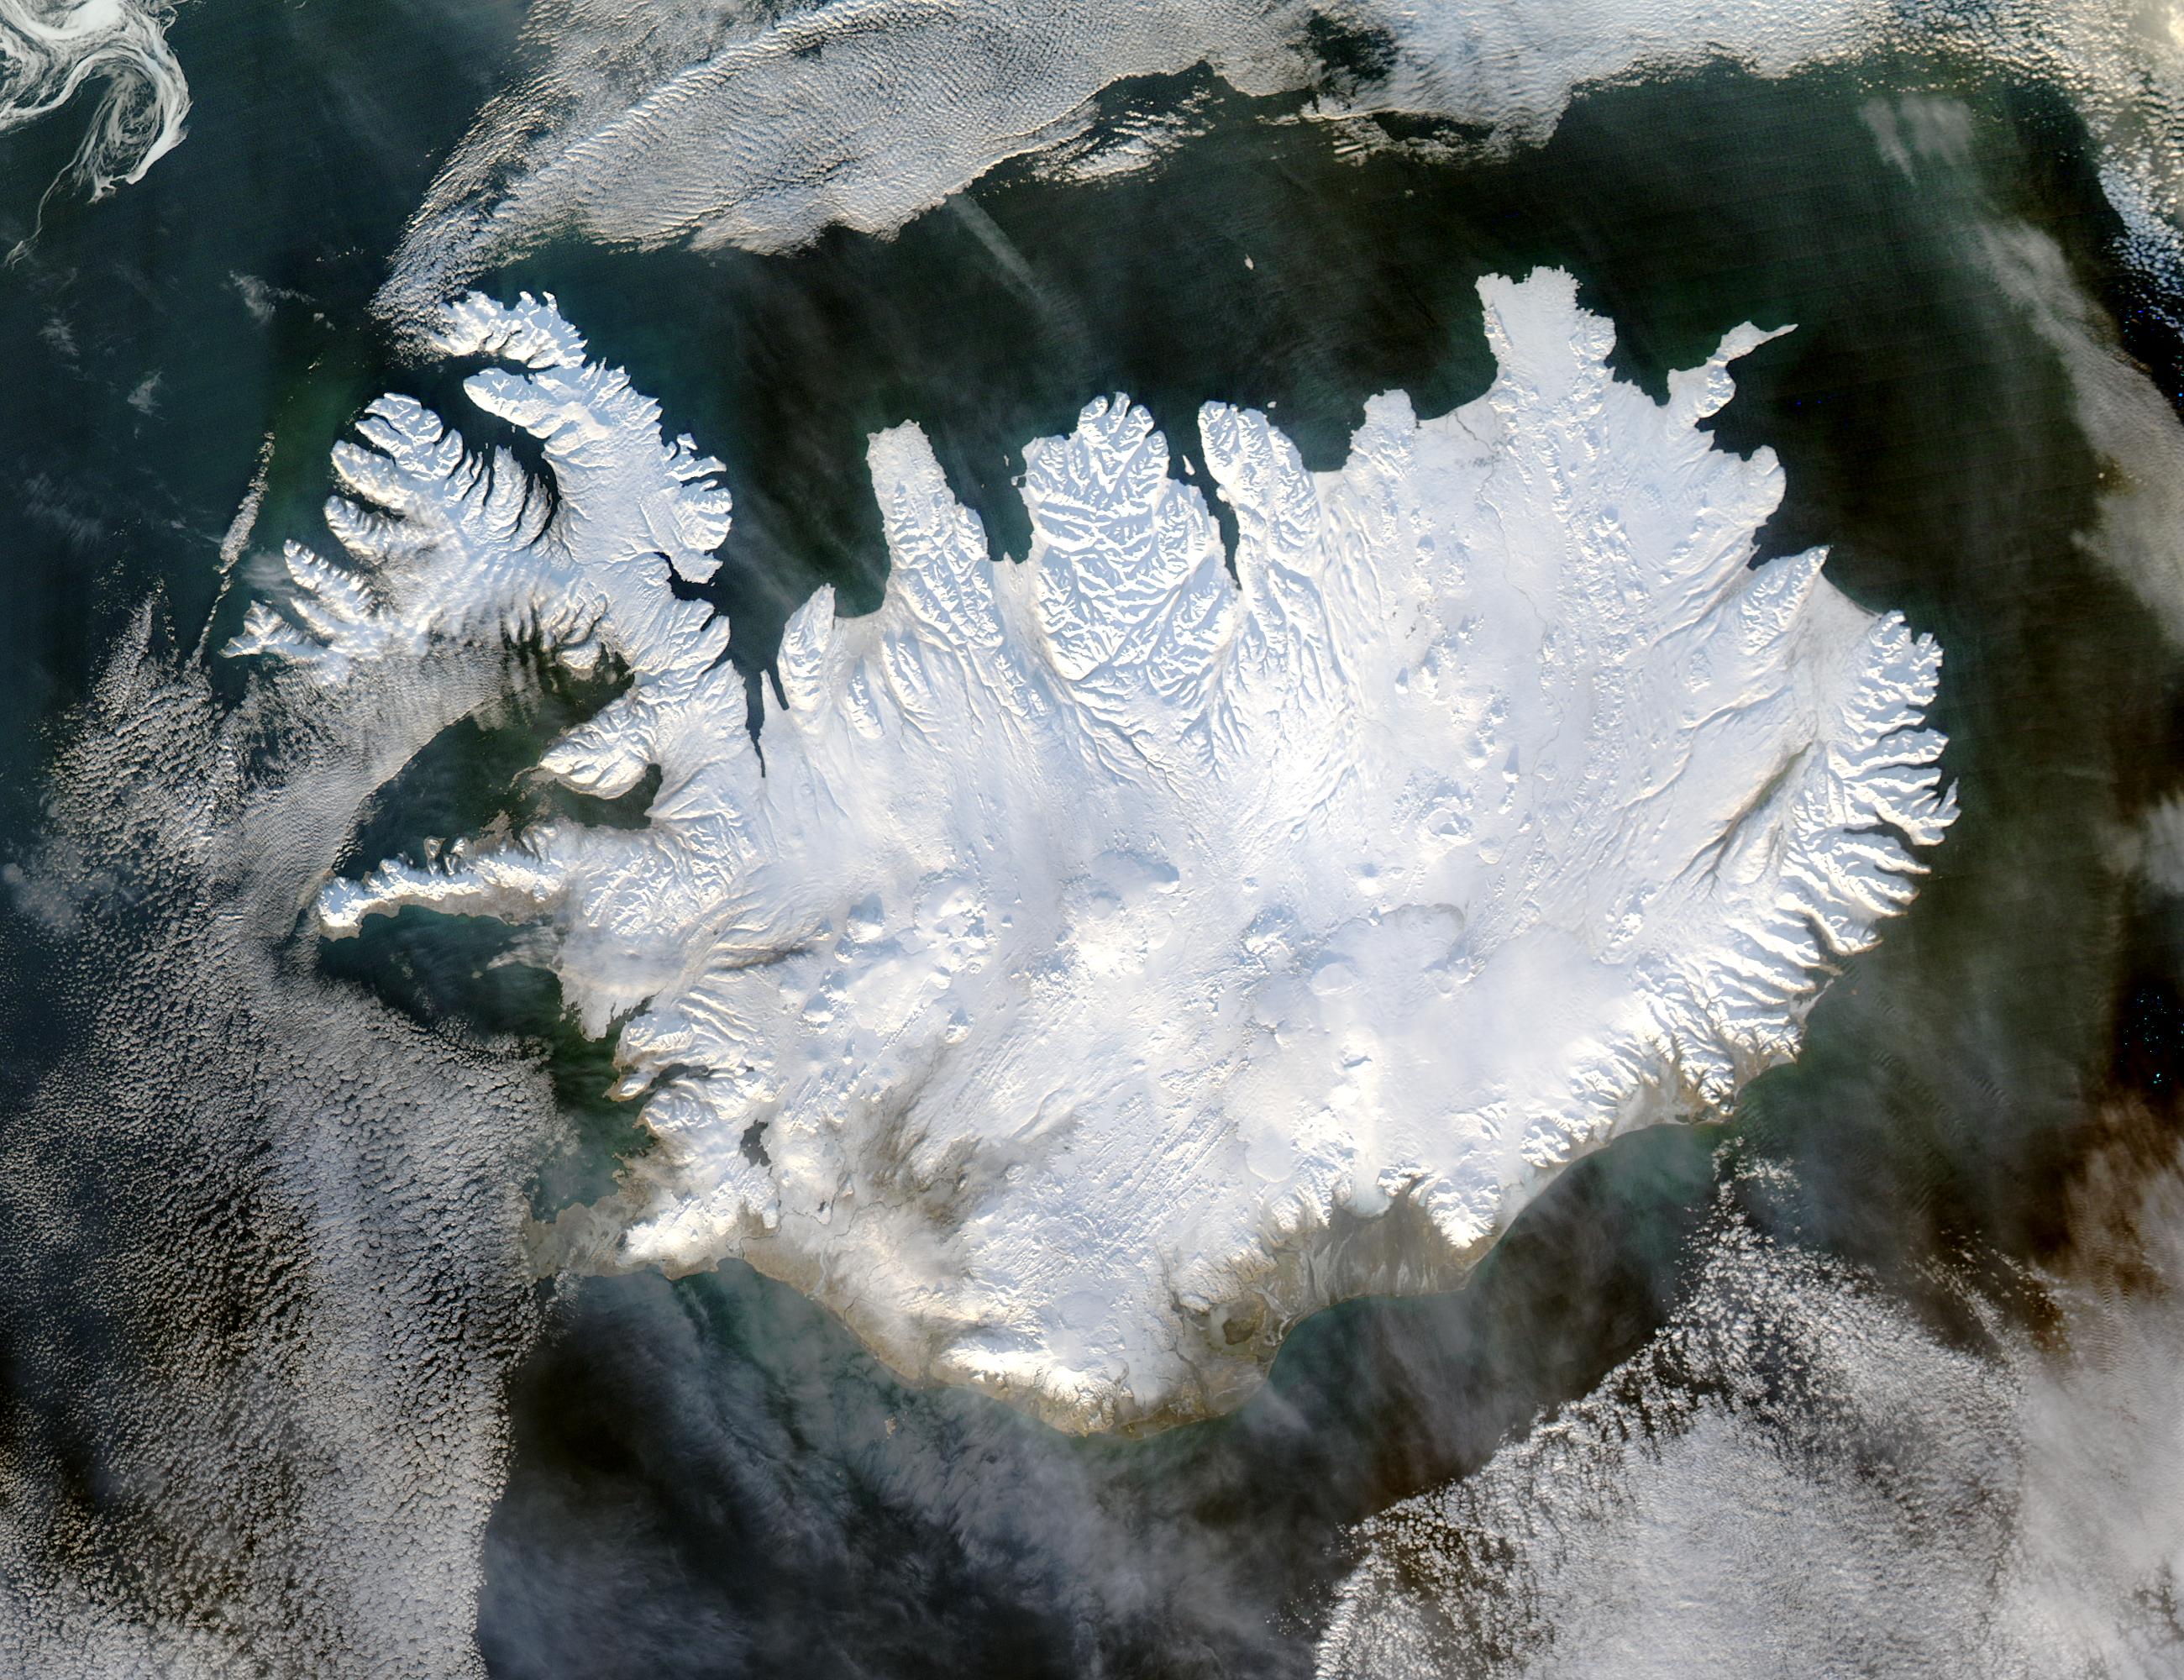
<point x="1114" y="961"/>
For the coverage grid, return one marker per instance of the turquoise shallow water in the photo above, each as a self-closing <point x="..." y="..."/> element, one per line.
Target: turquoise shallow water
<point x="708" y="1476"/>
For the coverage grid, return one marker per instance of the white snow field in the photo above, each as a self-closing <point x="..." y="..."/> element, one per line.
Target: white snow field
<point x="1114" y="959"/>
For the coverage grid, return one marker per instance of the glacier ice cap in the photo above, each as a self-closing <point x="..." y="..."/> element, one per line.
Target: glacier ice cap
<point x="1114" y="959"/>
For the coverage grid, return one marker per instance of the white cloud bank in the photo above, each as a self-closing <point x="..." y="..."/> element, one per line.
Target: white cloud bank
<point x="50" y="50"/>
<point x="649" y="124"/>
<point x="261" y="1231"/>
<point x="1797" y="1476"/>
<point x="1114" y="961"/>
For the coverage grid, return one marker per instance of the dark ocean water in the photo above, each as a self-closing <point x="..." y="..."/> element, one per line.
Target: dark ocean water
<point x="709" y="1476"/>
<point x="1927" y="437"/>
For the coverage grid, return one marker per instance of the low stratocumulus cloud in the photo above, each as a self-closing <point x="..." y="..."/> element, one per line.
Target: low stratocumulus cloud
<point x="646" y="125"/>
<point x="285" y="1211"/>
<point x="1799" y="1474"/>
<point x="268" y="1431"/>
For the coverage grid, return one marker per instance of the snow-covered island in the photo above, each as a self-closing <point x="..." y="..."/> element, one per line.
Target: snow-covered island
<point x="1116" y="959"/>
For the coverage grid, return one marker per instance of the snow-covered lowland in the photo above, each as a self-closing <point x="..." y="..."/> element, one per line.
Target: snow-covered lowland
<point x="1114" y="959"/>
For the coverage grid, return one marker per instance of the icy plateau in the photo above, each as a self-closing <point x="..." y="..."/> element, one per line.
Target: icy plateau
<point x="1116" y="957"/>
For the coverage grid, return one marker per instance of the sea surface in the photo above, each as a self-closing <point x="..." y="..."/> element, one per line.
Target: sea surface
<point x="708" y="1475"/>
